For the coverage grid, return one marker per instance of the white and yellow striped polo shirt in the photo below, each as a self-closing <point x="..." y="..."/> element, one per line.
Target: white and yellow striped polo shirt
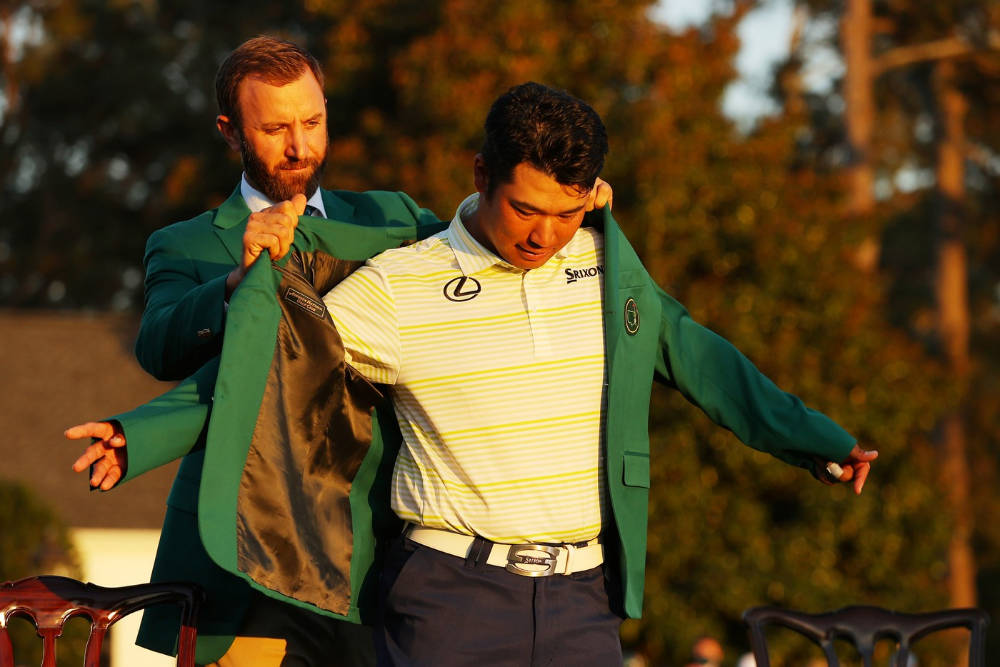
<point x="498" y="381"/>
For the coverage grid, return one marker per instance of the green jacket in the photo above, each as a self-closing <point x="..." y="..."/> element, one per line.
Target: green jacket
<point x="181" y="331"/>
<point x="272" y="459"/>
<point x="187" y="264"/>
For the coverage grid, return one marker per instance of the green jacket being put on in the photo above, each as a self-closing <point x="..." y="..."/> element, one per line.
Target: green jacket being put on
<point x="299" y="449"/>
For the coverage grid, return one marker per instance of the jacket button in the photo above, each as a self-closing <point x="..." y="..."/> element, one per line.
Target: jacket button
<point x="204" y="333"/>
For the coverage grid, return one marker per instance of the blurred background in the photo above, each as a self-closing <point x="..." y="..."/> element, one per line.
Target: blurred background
<point x="818" y="181"/>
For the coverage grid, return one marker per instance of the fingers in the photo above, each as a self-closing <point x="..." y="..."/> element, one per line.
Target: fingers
<point x="102" y="430"/>
<point x="859" y="463"/>
<point x="107" y="472"/>
<point x="600" y="195"/>
<point x="860" y="471"/>
<point x="859" y="454"/>
<point x="854" y="469"/>
<point x="272" y="229"/>
<point x="275" y="239"/>
<point x="93" y="453"/>
<point x="107" y="461"/>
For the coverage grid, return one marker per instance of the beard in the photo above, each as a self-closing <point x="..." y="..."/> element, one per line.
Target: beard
<point x="287" y="179"/>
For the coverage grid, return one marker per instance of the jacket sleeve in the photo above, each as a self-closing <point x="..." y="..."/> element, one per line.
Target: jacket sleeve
<point x="182" y="322"/>
<point x="711" y="373"/>
<point x="170" y="425"/>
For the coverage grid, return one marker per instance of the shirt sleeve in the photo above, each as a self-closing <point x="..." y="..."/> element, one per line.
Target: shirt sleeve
<point x="364" y="312"/>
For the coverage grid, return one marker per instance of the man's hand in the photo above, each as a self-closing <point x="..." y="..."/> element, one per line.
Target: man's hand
<point x="854" y="468"/>
<point x="272" y="229"/>
<point x="600" y="195"/>
<point x="108" y="454"/>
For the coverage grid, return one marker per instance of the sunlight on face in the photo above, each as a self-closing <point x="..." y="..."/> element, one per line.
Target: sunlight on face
<point x="529" y="219"/>
<point x="283" y="137"/>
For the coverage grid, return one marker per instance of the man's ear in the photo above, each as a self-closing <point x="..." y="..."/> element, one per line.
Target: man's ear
<point x="229" y="131"/>
<point x="480" y="174"/>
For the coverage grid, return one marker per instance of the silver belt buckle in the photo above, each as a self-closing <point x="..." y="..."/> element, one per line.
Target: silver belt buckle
<point x="532" y="560"/>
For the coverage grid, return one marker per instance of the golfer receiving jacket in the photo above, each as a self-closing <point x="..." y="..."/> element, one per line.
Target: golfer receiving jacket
<point x="520" y="346"/>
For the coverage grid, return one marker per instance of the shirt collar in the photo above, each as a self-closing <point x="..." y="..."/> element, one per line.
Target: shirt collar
<point x="471" y="255"/>
<point x="257" y="201"/>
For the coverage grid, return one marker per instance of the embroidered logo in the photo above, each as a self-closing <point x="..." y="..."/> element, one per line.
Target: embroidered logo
<point x="306" y="303"/>
<point x="631" y="317"/>
<point x="572" y="275"/>
<point x="463" y="288"/>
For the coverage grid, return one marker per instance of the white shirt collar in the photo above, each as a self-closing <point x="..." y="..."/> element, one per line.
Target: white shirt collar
<point x="257" y="201"/>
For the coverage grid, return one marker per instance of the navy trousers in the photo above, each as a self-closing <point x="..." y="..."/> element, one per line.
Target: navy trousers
<point x="442" y="610"/>
<point x="311" y="640"/>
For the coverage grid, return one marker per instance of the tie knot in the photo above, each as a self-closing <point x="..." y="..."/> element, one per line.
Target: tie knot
<point x="313" y="211"/>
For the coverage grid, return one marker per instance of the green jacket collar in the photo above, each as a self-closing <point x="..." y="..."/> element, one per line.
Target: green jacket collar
<point x="231" y="216"/>
<point x="234" y="210"/>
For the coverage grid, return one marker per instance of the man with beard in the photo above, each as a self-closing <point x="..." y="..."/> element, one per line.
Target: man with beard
<point x="273" y="111"/>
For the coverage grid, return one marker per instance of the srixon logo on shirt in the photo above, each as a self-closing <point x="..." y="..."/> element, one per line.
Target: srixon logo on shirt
<point x="572" y="275"/>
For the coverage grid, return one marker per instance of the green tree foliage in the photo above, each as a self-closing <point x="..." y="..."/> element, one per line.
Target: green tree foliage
<point x="904" y="153"/>
<point x="112" y="137"/>
<point x="34" y="541"/>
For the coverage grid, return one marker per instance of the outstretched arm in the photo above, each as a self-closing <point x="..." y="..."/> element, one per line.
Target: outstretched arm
<point x="716" y="377"/>
<point x="158" y="432"/>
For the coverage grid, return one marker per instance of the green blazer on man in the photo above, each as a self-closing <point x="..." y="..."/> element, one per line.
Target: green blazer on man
<point x="181" y="332"/>
<point x="187" y="264"/>
<point x="259" y="422"/>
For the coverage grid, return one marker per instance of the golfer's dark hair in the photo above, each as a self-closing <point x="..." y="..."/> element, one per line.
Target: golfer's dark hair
<point x="272" y="60"/>
<point x="552" y="131"/>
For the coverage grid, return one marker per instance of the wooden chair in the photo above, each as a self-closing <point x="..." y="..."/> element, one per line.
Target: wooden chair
<point x="864" y="626"/>
<point x="50" y="601"/>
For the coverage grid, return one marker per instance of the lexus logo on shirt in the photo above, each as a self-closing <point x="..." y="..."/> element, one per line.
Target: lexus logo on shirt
<point x="462" y="288"/>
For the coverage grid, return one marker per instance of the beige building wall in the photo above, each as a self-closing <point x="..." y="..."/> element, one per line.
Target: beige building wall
<point x="120" y="557"/>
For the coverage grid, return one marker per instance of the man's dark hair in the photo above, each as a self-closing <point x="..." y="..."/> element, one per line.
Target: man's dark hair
<point x="549" y="129"/>
<point x="269" y="59"/>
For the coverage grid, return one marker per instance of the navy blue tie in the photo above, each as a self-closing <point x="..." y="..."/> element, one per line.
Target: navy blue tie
<point x="313" y="211"/>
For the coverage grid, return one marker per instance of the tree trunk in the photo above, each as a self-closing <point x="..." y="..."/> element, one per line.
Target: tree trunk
<point x="10" y="91"/>
<point x="953" y="326"/>
<point x="859" y="117"/>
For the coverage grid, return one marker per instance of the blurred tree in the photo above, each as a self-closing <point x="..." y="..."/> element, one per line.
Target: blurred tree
<point x="751" y="232"/>
<point x="108" y="134"/>
<point x="937" y="70"/>
<point x="34" y="541"/>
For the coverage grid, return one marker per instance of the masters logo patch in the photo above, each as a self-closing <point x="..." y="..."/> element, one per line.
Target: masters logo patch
<point x="631" y="317"/>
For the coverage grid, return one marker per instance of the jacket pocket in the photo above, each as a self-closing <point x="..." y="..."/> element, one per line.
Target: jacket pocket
<point x="635" y="471"/>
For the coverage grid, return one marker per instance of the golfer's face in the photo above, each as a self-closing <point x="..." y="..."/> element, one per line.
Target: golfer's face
<point x="529" y="219"/>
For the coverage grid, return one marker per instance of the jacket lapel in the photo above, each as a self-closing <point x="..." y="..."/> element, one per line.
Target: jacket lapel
<point x="231" y="216"/>
<point x="612" y="305"/>
<point x="230" y="220"/>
